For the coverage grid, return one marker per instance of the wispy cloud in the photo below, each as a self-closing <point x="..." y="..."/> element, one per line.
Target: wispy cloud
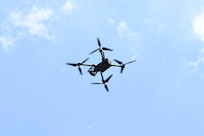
<point x="34" y="21"/>
<point x="6" y="42"/>
<point x="93" y="125"/>
<point x="198" y="27"/>
<point x="157" y="26"/>
<point x="194" y="65"/>
<point x="110" y="20"/>
<point x="125" y="32"/>
<point x="68" y="6"/>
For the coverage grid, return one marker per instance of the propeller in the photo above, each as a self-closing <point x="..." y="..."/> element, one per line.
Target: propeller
<point x="78" y="65"/>
<point x="123" y="65"/>
<point x="104" y="82"/>
<point x="100" y="48"/>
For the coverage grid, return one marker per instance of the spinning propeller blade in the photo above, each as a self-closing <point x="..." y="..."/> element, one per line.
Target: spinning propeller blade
<point x="80" y="71"/>
<point x="99" y="43"/>
<point x="85" y="60"/>
<point x="123" y="65"/>
<point x="107" y="49"/>
<point x="106" y="87"/>
<point x="119" y="62"/>
<point x="129" y="62"/>
<point x="108" y="78"/>
<point x="72" y="64"/>
<point x="122" y="68"/>
<point x="93" y="51"/>
<point x="96" y="83"/>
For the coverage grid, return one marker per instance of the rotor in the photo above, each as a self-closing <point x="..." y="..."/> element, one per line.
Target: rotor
<point x="101" y="49"/>
<point x="123" y="65"/>
<point x="78" y="65"/>
<point x="104" y="82"/>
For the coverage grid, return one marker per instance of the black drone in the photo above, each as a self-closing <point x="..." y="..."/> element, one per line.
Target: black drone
<point x="102" y="66"/>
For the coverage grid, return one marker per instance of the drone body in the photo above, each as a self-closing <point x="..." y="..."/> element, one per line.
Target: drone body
<point x="102" y="66"/>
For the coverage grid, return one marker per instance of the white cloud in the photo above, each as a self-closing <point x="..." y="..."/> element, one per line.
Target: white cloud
<point x="198" y="26"/>
<point x="34" y="21"/>
<point x="193" y="66"/>
<point x="6" y="42"/>
<point x="68" y="6"/>
<point x="125" y="32"/>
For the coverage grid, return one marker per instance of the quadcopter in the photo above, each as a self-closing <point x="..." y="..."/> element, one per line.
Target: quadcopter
<point x="102" y="66"/>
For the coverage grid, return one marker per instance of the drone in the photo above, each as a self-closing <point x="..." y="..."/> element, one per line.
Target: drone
<point x="101" y="66"/>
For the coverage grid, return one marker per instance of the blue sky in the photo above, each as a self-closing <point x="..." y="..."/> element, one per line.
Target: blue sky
<point x="159" y="95"/>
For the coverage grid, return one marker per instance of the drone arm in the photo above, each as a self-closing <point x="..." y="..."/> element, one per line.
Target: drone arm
<point x="115" y="65"/>
<point x="102" y="77"/>
<point x="87" y="65"/>
<point x="102" y="55"/>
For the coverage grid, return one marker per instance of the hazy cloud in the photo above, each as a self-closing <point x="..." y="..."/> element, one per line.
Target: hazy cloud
<point x="125" y="32"/>
<point x="110" y="20"/>
<point x="193" y="66"/>
<point x="34" y="21"/>
<point x="93" y="125"/>
<point x="198" y="27"/>
<point x="157" y="26"/>
<point x="68" y="6"/>
<point x="6" y="42"/>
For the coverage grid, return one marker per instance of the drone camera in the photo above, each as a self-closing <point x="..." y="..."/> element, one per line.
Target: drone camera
<point x="92" y="71"/>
